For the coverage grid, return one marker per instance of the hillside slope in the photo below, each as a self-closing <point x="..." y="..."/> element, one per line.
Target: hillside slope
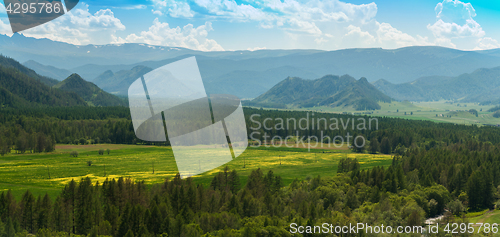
<point x="20" y="90"/>
<point x="91" y="93"/>
<point x="11" y="63"/>
<point x="331" y="91"/>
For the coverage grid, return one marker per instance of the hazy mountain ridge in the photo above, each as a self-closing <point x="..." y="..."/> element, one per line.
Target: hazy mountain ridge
<point x="68" y="56"/>
<point x="229" y="71"/>
<point x="482" y="85"/>
<point x="119" y="82"/>
<point x="331" y="91"/>
<point x="48" y="71"/>
<point x="91" y="93"/>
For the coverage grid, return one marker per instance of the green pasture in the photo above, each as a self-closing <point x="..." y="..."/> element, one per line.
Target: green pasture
<point x="447" y="112"/>
<point x="19" y="172"/>
<point x="491" y="217"/>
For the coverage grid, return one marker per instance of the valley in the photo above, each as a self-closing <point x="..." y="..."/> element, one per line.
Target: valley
<point x="22" y="171"/>
<point x="446" y="111"/>
<point x="72" y="163"/>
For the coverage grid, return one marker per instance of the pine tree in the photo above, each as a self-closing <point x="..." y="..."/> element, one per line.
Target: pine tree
<point x="358" y="144"/>
<point x="124" y="228"/>
<point x="154" y="222"/>
<point x="234" y="181"/>
<point x="374" y="146"/>
<point x="9" y="228"/>
<point x="130" y="233"/>
<point x="84" y="207"/>
<point x="28" y="212"/>
<point x="385" y="146"/>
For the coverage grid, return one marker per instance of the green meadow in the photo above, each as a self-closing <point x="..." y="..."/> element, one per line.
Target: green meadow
<point x="437" y="111"/>
<point x="49" y="172"/>
<point x="491" y="217"/>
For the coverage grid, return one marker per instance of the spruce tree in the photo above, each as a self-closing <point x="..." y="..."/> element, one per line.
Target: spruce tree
<point x="374" y="146"/>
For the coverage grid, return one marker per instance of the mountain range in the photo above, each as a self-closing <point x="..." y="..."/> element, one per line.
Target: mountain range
<point x="330" y="91"/>
<point x="245" y="73"/>
<point x="119" y="82"/>
<point x="48" y="71"/>
<point x="23" y="87"/>
<point x="482" y="85"/>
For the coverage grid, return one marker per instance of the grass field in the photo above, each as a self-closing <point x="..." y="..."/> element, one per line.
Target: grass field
<point x="446" y="112"/>
<point x="31" y="171"/>
<point x="488" y="217"/>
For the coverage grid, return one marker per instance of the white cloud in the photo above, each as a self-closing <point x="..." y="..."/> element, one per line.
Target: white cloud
<point x="5" y="28"/>
<point x="2" y="9"/>
<point x="390" y="37"/>
<point x="234" y="11"/>
<point x="173" y="8"/>
<point x="324" y="10"/>
<point x="256" y="48"/>
<point x="380" y="35"/>
<point x="453" y="30"/>
<point x="187" y="37"/>
<point x="321" y="22"/>
<point x="157" y="12"/>
<point x="304" y="26"/>
<point x="79" y="27"/>
<point x="487" y="43"/>
<point x="355" y="37"/>
<point x="455" y="20"/>
<point x="316" y="20"/>
<point x="133" y="7"/>
<point x="445" y="42"/>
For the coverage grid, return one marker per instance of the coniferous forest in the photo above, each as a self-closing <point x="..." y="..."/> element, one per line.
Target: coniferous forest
<point x="435" y="167"/>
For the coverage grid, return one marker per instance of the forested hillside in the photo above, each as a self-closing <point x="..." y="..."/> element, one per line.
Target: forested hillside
<point x="415" y="187"/>
<point x="91" y="93"/>
<point x="20" y="90"/>
<point x="11" y="63"/>
<point x="331" y="91"/>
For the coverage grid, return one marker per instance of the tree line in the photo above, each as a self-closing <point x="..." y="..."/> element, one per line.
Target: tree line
<point x="113" y="125"/>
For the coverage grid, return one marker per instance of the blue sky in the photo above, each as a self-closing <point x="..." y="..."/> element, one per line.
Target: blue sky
<point x="276" y="24"/>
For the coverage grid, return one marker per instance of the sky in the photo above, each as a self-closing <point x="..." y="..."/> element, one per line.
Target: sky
<point x="218" y="25"/>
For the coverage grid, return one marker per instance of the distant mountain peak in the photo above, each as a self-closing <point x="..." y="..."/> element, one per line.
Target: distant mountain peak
<point x="363" y="80"/>
<point x="74" y="80"/>
<point x="91" y="93"/>
<point x="328" y="90"/>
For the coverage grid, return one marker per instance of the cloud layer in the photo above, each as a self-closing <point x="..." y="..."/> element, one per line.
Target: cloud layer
<point x="317" y="22"/>
<point x="2" y="9"/>
<point x="79" y="27"/>
<point x="160" y="33"/>
<point x="455" y="19"/>
<point x="322" y="24"/>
